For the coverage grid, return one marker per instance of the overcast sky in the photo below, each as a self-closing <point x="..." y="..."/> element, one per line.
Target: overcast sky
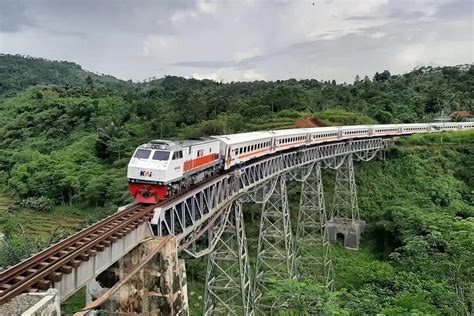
<point x="241" y="40"/>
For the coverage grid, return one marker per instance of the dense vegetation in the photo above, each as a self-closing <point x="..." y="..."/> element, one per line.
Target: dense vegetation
<point x="66" y="136"/>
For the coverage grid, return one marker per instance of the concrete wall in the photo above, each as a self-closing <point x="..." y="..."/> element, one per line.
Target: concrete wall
<point x="350" y="230"/>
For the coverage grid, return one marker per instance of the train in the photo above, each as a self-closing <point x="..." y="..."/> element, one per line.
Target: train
<point x="161" y="169"/>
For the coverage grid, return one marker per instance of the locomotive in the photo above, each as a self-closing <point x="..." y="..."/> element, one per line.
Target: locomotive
<point x="162" y="168"/>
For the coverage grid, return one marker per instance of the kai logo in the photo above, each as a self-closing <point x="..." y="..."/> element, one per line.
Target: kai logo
<point x="146" y="173"/>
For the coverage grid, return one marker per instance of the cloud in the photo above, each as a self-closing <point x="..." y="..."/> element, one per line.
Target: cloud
<point x="252" y="75"/>
<point x="246" y="54"/>
<point x="13" y="16"/>
<point x="241" y="40"/>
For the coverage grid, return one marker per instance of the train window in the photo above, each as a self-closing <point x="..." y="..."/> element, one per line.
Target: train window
<point x="200" y="152"/>
<point x="177" y="155"/>
<point x="240" y="150"/>
<point x="161" y="155"/>
<point x="142" y="154"/>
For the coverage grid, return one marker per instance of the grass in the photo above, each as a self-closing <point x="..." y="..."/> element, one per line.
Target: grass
<point x="43" y="224"/>
<point x="74" y="303"/>
<point x="195" y="297"/>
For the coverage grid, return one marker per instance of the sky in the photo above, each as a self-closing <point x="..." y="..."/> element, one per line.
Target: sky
<point x="241" y="40"/>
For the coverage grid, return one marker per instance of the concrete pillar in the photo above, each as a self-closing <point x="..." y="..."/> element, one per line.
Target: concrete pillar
<point x="159" y="288"/>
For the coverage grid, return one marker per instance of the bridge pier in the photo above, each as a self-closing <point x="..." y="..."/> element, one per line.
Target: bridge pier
<point x="313" y="258"/>
<point x="158" y="287"/>
<point x="275" y="254"/>
<point x="345" y="219"/>
<point x="228" y="287"/>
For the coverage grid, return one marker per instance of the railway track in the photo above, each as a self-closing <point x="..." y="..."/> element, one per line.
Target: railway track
<point x="39" y="272"/>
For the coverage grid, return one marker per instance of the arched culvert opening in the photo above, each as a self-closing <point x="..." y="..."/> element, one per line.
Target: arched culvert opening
<point x="340" y="238"/>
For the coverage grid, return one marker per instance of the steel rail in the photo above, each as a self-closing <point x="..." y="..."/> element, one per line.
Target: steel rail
<point x="70" y="241"/>
<point x="82" y="246"/>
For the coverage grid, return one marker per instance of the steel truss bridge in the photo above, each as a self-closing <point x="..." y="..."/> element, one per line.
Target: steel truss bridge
<point x="208" y="220"/>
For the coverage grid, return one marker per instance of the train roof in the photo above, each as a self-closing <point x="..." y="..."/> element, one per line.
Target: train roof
<point x="289" y="132"/>
<point x="255" y="136"/>
<point x="175" y="144"/>
<point x="323" y="129"/>
<point x="243" y="137"/>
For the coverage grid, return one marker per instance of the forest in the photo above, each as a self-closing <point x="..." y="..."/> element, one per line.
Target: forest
<point x="66" y="135"/>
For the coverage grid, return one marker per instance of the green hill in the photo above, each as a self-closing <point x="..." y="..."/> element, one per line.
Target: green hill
<point x="20" y="72"/>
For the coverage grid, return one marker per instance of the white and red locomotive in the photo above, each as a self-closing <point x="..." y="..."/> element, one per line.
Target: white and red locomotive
<point x="162" y="168"/>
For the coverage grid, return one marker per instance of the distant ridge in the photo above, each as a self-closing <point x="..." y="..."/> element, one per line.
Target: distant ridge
<point x="20" y="72"/>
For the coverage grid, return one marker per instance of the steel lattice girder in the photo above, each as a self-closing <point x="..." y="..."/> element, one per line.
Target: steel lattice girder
<point x="188" y="216"/>
<point x="345" y="205"/>
<point x="312" y="231"/>
<point x="275" y="253"/>
<point x="228" y="289"/>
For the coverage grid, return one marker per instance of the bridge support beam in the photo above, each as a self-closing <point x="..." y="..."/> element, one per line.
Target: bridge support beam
<point x="345" y="219"/>
<point x="313" y="258"/>
<point x="275" y="255"/>
<point x="228" y="287"/>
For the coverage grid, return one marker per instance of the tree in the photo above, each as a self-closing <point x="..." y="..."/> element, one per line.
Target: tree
<point x="385" y="75"/>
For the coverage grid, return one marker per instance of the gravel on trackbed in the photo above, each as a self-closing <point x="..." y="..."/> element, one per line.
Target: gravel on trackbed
<point x="19" y="304"/>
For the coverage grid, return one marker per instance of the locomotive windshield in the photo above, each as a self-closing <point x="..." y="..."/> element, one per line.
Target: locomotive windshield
<point x="142" y="154"/>
<point x="161" y="155"/>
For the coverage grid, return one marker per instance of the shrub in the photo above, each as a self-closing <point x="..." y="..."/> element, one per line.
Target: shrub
<point x="42" y="203"/>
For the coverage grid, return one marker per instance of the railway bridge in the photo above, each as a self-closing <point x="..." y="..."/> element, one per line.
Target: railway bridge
<point x="207" y="220"/>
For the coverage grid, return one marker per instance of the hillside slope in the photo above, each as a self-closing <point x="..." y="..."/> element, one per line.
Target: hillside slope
<point x="19" y="72"/>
